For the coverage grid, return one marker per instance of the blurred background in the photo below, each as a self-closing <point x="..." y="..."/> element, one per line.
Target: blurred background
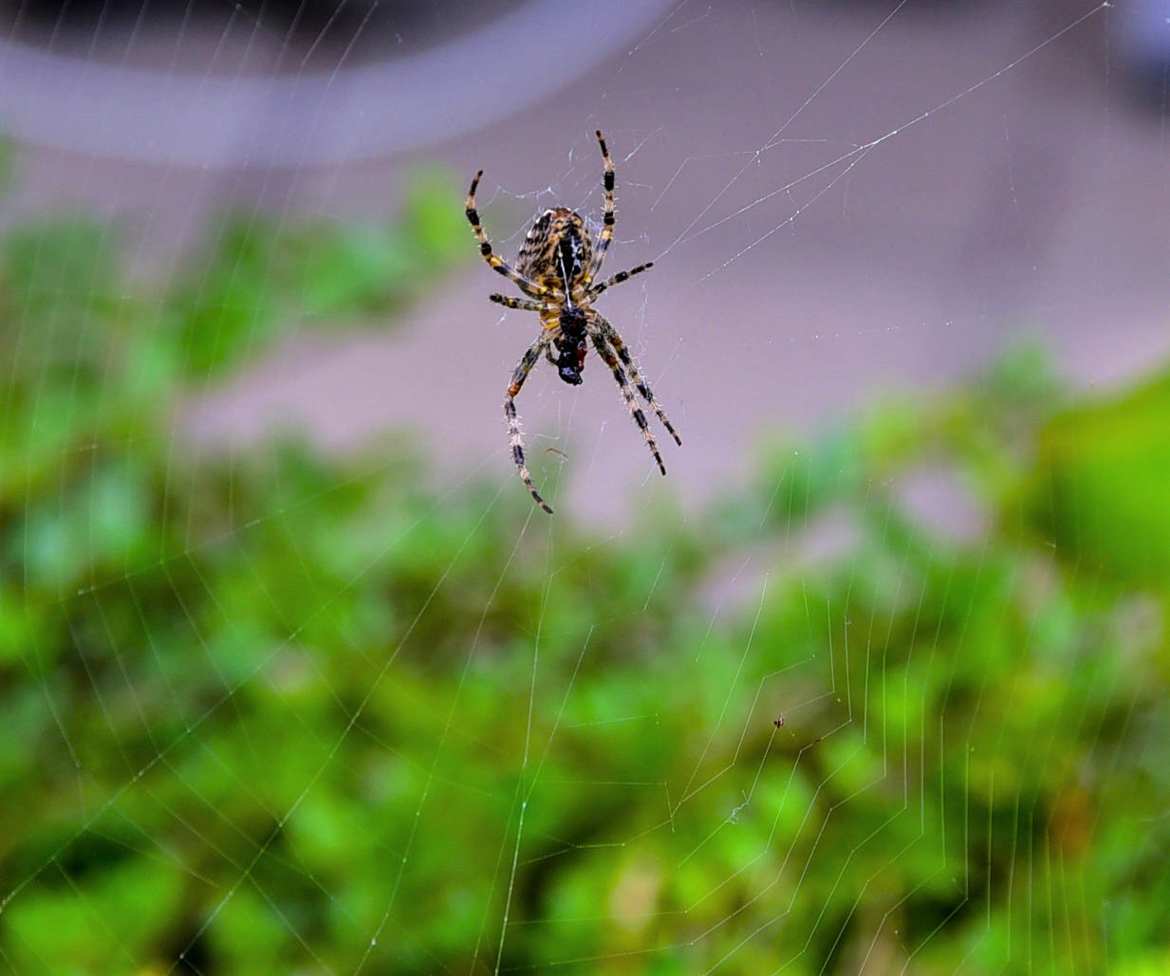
<point x="296" y="678"/>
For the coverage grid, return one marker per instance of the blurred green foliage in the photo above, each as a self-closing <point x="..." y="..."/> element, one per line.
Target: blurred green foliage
<point x="284" y="714"/>
<point x="259" y="272"/>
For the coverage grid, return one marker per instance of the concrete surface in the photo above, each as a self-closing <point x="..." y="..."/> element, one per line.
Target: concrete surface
<point x="1009" y="187"/>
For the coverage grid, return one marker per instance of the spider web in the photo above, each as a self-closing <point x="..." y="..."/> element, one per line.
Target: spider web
<point x="755" y="720"/>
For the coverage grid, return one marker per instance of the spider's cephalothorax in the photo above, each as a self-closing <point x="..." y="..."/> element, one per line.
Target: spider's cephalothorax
<point x="556" y="269"/>
<point x="571" y="345"/>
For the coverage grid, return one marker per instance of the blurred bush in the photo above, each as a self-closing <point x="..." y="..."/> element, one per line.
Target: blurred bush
<point x="283" y="714"/>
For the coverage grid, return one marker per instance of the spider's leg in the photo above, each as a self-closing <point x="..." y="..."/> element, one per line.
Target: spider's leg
<point x="526" y="285"/>
<point x="615" y="340"/>
<point x="519" y="303"/>
<point x="514" y="437"/>
<point x="607" y="216"/>
<point x="618" y="278"/>
<point x="606" y="353"/>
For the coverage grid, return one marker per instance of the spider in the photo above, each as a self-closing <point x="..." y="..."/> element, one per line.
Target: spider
<point x="556" y="269"/>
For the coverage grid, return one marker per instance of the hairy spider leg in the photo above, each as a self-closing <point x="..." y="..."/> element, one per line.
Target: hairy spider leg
<point x="519" y="375"/>
<point x="618" y="278"/>
<point x="615" y="340"/>
<point x="519" y="303"/>
<point x="603" y="350"/>
<point x="526" y="285"/>
<point x="607" y="216"/>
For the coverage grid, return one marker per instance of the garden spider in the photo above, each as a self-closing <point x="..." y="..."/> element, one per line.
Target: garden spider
<point x="556" y="268"/>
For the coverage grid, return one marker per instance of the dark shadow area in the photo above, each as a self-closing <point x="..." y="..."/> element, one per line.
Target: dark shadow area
<point x="367" y="29"/>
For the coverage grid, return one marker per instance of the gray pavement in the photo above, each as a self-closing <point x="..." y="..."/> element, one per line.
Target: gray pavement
<point x="1008" y="188"/>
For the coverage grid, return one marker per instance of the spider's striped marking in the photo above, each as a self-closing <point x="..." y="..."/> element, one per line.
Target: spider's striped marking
<point x="611" y="361"/>
<point x="497" y="263"/>
<point x="515" y="439"/>
<point x="615" y="340"/>
<point x="557" y="252"/>
<point x="518" y="303"/>
<point x="618" y="278"/>
<point x="607" y="214"/>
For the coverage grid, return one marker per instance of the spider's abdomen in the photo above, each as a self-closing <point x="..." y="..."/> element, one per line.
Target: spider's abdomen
<point x="557" y="251"/>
